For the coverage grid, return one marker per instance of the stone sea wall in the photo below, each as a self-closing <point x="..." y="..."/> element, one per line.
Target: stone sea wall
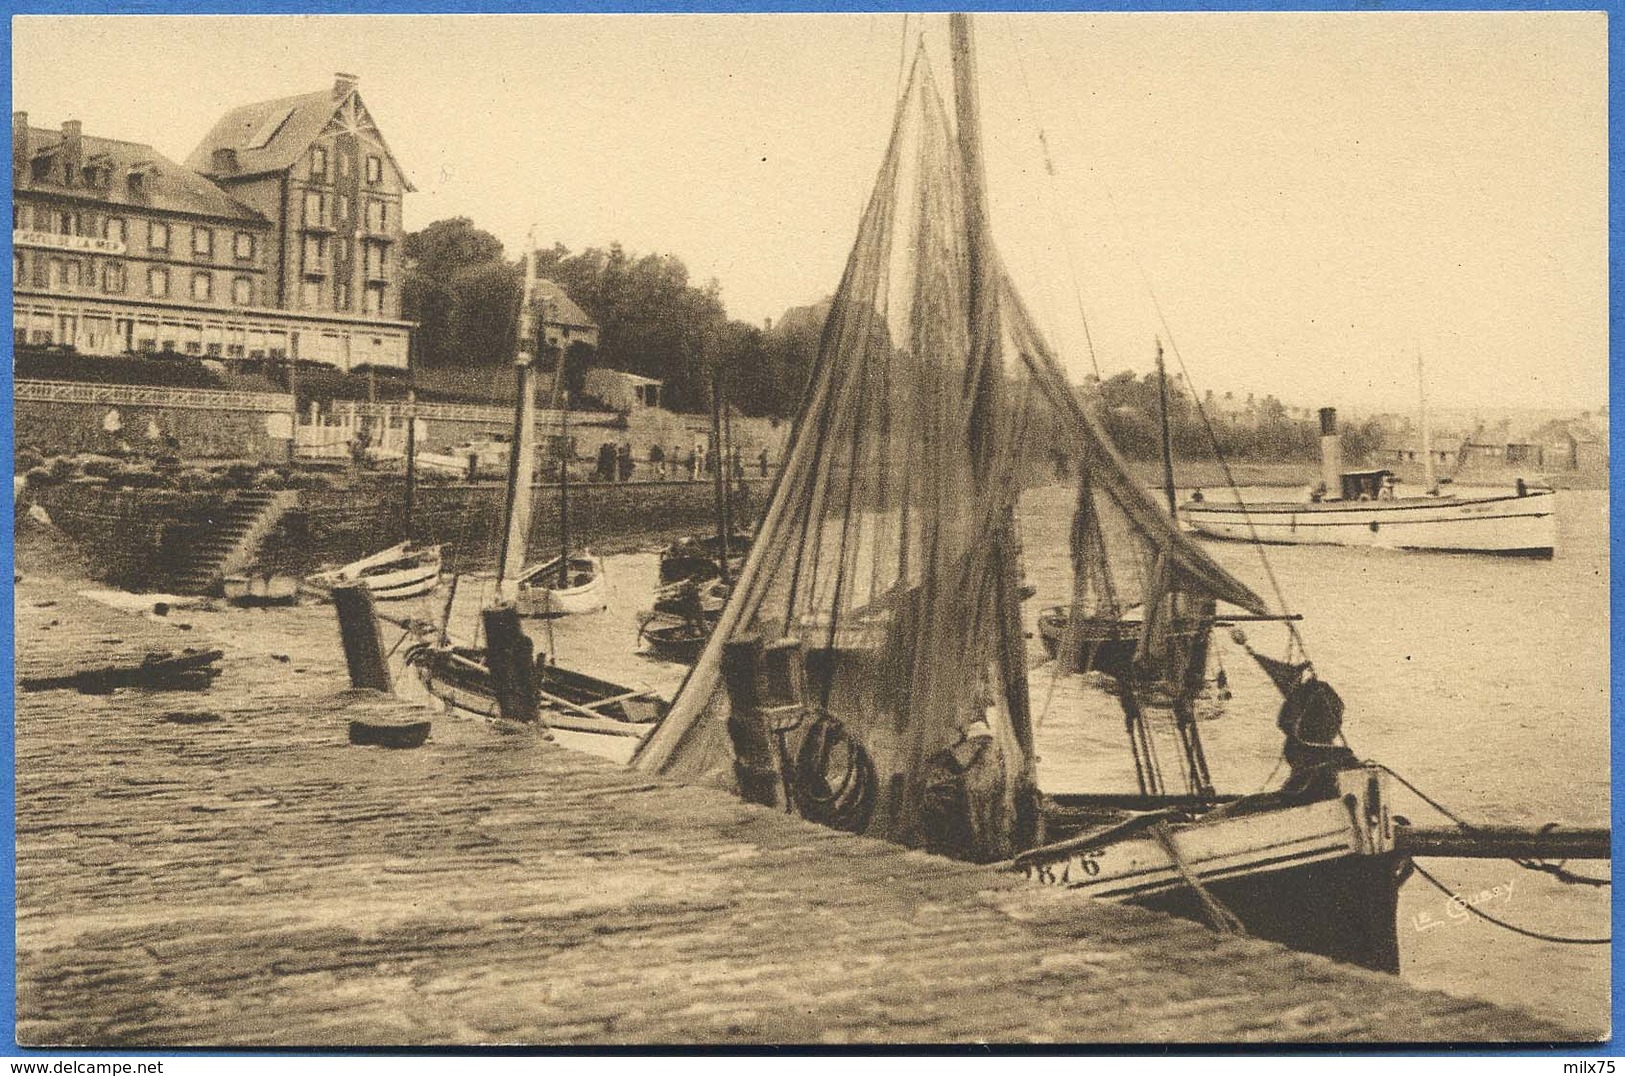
<point x="138" y="539"/>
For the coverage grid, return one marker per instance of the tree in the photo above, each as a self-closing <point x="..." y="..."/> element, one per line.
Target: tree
<point x="462" y="293"/>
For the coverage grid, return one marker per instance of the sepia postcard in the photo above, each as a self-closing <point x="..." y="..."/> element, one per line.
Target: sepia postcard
<point x="834" y="529"/>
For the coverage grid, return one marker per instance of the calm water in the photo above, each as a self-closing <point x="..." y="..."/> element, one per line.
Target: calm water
<point x="1482" y="680"/>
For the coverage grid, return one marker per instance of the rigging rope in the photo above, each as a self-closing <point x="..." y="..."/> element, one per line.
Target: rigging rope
<point x="1056" y="218"/>
<point x="1503" y="924"/>
<point x="1229" y="476"/>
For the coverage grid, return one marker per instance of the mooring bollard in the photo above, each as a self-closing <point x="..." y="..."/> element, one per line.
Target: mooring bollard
<point x="358" y="627"/>
<point x="508" y="656"/>
<point x="754" y="764"/>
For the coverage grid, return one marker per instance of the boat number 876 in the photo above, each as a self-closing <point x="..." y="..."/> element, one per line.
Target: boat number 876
<point x="1046" y="874"/>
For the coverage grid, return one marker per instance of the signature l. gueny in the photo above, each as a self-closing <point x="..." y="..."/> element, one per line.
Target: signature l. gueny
<point x="1459" y="907"/>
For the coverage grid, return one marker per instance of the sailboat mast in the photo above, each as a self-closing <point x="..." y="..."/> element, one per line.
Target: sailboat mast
<point x="561" y="393"/>
<point x="521" y="457"/>
<point x="1167" y="437"/>
<point x="984" y="332"/>
<point x="720" y="463"/>
<point x="1429" y="482"/>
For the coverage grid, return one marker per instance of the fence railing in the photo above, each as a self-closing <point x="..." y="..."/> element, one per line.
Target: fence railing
<point x="477" y="413"/>
<point x="87" y="392"/>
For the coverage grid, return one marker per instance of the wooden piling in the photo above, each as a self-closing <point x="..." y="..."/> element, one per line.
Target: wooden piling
<point x="755" y="765"/>
<point x="358" y="628"/>
<point x="508" y="654"/>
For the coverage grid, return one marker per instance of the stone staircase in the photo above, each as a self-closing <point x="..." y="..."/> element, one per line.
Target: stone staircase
<point x="234" y="542"/>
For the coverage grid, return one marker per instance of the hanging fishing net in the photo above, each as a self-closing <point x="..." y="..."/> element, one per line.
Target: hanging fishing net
<point x="869" y="671"/>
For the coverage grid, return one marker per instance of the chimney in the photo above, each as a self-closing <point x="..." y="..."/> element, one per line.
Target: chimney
<point x="343" y="83"/>
<point x="73" y="150"/>
<point x="1331" y="454"/>
<point x="19" y="148"/>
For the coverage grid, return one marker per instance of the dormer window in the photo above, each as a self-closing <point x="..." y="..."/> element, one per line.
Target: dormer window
<point x="375" y="169"/>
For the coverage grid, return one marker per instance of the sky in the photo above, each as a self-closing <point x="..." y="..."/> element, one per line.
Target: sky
<point x="1295" y="203"/>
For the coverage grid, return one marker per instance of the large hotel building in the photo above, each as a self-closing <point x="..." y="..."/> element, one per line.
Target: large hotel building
<point x="279" y="238"/>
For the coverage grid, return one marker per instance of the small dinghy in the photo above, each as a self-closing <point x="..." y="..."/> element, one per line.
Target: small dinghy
<point x="401" y="571"/>
<point x="683" y="617"/>
<point x="260" y="590"/>
<point x="540" y="592"/>
<point x="696" y="557"/>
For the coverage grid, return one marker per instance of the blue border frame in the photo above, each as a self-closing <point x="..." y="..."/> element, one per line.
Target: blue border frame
<point x="1615" y="10"/>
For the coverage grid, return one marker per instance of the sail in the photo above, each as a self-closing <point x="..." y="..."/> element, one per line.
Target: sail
<point x="885" y="571"/>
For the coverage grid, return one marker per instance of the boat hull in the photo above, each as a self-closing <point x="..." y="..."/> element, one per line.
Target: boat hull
<point x="1509" y="525"/>
<point x="399" y="572"/>
<point x="607" y="719"/>
<point x="1322" y="877"/>
<point x="589" y="594"/>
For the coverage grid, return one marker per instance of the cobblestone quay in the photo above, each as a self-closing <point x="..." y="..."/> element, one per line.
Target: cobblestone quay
<point x="221" y="868"/>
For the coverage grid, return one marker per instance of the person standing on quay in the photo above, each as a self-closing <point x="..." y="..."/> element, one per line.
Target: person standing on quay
<point x="623" y="457"/>
<point x="762" y="461"/>
<point x="657" y="460"/>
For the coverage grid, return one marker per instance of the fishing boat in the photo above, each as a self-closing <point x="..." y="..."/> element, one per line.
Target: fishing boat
<point x="544" y="590"/>
<point x="697" y="572"/>
<point x="579" y="710"/>
<point x="869" y="670"/>
<point x="1360" y="508"/>
<point x="402" y="571"/>
<point x="582" y="712"/>
<point x="695" y="556"/>
<point x="684" y="615"/>
<point x="405" y="570"/>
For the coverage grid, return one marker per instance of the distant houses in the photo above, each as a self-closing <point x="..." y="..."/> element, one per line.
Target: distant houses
<point x="1568" y="444"/>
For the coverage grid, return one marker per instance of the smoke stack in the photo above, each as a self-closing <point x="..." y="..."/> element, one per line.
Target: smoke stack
<point x="19" y="148"/>
<point x="1331" y="454"/>
<point x="343" y="83"/>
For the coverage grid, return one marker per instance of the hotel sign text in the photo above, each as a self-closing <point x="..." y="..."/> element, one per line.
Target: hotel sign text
<point x="88" y="243"/>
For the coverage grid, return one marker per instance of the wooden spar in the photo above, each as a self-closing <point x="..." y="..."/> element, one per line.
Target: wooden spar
<point x="1429" y="482"/>
<point x="358" y="629"/>
<point x="1505" y="842"/>
<point x="719" y="464"/>
<point x="1167" y="437"/>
